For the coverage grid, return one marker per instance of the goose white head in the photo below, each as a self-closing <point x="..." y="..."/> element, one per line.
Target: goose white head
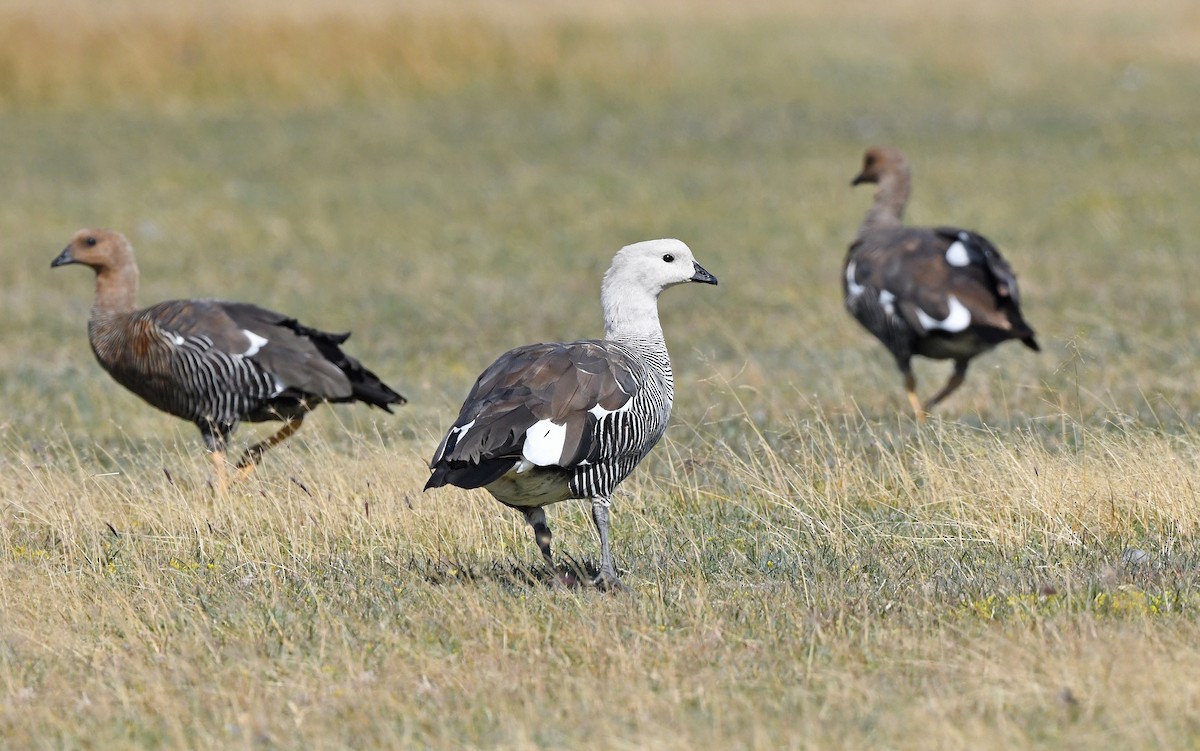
<point x="639" y="273"/>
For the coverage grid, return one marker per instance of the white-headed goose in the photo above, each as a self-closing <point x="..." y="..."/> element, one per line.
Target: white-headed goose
<point x="549" y="422"/>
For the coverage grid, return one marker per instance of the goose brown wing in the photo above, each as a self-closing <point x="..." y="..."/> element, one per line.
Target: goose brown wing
<point x="947" y="278"/>
<point x="985" y="284"/>
<point x="982" y="255"/>
<point x="559" y="383"/>
<point x="290" y="352"/>
<point x="189" y="358"/>
<point x="304" y="362"/>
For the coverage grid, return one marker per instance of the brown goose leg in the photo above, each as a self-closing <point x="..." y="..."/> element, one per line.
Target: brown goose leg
<point x="910" y="388"/>
<point x="956" y="380"/>
<point x="255" y="452"/>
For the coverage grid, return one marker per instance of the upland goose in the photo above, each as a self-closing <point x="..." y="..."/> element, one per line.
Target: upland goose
<point x="214" y="363"/>
<point x="943" y="293"/>
<point x="550" y="422"/>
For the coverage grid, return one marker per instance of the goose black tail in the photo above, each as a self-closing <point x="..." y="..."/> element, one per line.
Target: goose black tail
<point x="367" y="387"/>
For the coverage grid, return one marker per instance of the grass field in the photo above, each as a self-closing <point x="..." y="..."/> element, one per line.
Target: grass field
<point x="806" y="567"/>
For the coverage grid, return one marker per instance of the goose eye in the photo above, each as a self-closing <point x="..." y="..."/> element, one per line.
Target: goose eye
<point x="668" y="258"/>
<point x="91" y="241"/>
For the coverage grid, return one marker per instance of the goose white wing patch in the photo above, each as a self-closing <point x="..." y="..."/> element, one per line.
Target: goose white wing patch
<point x="601" y="412"/>
<point x="888" y="301"/>
<point x="544" y="443"/>
<point x="461" y="430"/>
<point x="956" y="254"/>
<point x="853" y="288"/>
<point x="958" y="319"/>
<point x="453" y="438"/>
<point x="256" y="343"/>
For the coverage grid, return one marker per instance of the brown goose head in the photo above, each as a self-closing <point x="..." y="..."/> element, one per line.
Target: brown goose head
<point x="110" y="255"/>
<point x="880" y="162"/>
<point x="101" y="249"/>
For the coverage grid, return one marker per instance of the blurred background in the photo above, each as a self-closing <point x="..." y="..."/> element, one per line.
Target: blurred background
<point x="450" y="179"/>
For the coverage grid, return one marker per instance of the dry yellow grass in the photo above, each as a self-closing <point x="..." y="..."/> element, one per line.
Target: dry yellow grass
<point x="942" y="588"/>
<point x="807" y="568"/>
<point x="137" y="53"/>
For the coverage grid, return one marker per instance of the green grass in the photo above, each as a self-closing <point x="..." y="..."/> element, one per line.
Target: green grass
<point x="806" y="568"/>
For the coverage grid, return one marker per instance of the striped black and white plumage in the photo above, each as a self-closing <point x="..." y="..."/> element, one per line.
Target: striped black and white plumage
<point x="214" y="363"/>
<point x="549" y="422"/>
<point x="943" y="293"/>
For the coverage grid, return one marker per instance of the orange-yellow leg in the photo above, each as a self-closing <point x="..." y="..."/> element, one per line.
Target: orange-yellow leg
<point x="956" y="380"/>
<point x="218" y="460"/>
<point x="255" y="452"/>
<point x="910" y="388"/>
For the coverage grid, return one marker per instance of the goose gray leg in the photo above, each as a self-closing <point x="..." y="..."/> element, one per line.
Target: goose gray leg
<point x="607" y="578"/>
<point x="541" y="531"/>
<point x="956" y="380"/>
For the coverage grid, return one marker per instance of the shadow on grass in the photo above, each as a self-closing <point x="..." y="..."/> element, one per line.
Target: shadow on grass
<point x="511" y="574"/>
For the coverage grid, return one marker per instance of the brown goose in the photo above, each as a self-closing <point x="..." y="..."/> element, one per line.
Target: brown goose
<point x="214" y="363"/>
<point x="549" y="422"/>
<point x="943" y="293"/>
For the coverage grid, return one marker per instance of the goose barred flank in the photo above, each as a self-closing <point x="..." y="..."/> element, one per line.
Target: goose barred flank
<point x="214" y="363"/>
<point x="942" y="293"/>
<point x="549" y="422"/>
<point x="641" y="425"/>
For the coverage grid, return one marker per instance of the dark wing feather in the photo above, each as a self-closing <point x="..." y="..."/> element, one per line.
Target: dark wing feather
<point x="557" y="382"/>
<point x="982" y="254"/>
<point x="179" y="356"/>
<point x="290" y="353"/>
<point x="307" y="362"/>
<point x="997" y="298"/>
<point x="911" y="264"/>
